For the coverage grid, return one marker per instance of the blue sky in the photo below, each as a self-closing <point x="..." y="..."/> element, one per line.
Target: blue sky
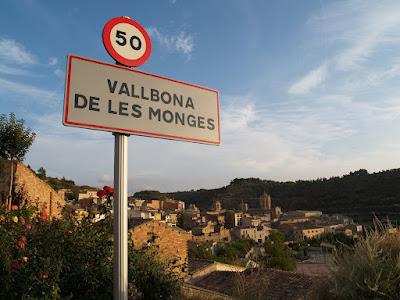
<point x="308" y="88"/>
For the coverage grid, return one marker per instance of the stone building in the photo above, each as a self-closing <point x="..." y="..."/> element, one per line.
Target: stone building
<point x="204" y="229"/>
<point x="172" y="242"/>
<point x="154" y="204"/>
<point x="171" y="218"/>
<point x="233" y="218"/>
<point x="166" y="204"/>
<point x="89" y="194"/>
<point x="304" y="232"/>
<point x="251" y="221"/>
<point x="220" y="234"/>
<point x="29" y="189"/>
<point x="217" y="217"/>
<point x="191" y="217"/>
<point x="302" y="214"/>
<point x="258" y="234"/>
<point x="174" y="205"/>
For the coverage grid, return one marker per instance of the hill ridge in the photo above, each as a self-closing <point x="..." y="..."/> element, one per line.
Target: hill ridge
<point x="358" y="194"/>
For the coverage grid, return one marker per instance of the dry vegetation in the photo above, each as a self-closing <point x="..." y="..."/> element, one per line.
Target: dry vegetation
<point x="370" y="270"/>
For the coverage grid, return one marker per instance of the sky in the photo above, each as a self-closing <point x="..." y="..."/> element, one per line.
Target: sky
<point x="308" y="89"/>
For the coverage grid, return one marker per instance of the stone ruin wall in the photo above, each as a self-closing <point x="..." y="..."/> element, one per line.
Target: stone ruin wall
<point x="35" y="191"/>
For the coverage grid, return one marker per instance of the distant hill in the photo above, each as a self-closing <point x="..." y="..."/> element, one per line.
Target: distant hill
<point x="358" y="194"/>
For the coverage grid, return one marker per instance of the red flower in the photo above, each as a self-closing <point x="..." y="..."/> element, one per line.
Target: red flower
<point x="22" y="220"/>
<point x="44" y="217"/>
<point x="23" y="238"/>
<point x="109" y="190"/>
<point x="15" y="265"/>
<point x="14" y="207"/>
<point x="69" y="232"/>
<point x="28" y="226"/>
<point x="21" y="244"/>
<point x="101" y="193"/>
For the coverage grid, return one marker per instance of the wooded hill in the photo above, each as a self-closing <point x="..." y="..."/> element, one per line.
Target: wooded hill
<point x="358" y="194"/>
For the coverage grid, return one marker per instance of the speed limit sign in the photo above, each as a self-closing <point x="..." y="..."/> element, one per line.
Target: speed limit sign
<point x="126" y="41"/>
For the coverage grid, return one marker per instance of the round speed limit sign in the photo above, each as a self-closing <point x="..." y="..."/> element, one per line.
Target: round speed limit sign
<point x="126" y="41"/>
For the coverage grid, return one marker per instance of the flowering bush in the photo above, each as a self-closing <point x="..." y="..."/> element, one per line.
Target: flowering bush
<point x="64" y="259"/>
<point x="28" y="266"/>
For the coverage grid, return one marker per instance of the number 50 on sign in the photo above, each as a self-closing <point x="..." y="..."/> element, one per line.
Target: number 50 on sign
<point x="126" y="41"/>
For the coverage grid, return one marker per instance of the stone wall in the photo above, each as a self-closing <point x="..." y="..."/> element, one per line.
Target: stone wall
<point x="34" y="191"/>
<point x="172" y="242"/>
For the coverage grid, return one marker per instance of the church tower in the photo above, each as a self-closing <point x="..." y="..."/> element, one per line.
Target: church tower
<point x="265" y="201"/>
<point x="217" y="205"/>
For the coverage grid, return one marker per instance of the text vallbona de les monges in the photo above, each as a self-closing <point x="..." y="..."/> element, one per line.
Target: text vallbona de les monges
<point x="126" y="109"/>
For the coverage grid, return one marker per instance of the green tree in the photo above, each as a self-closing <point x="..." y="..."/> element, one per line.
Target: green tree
<point x="15" y="141"/>
<point x="149" y="276"/>
<point x="41" y="173"/>
<point x="279" y="255"/>
<point x="202" y="251"/>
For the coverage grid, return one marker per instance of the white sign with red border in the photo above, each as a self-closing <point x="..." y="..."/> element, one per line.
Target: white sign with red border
<point x="113" y="98"/>
<point x="126" y="41"/>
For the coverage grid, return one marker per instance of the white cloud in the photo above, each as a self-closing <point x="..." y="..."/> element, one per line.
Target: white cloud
<point x="11" y="70"/>
<point x="14" y="52"/>
<point x="59" y="73"/>
<point x="181" y="42"/>
<point x="283" y="141"/>
<point x="40" y="95"/>
<point x="310" y="81"/>
<point x="239" y="113"/>
<point x="53" y="61"/>
<point x="184" y="43"/>
<point x="358" y="28"/>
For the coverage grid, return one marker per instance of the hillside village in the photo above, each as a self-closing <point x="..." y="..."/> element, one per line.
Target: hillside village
<point x="183" y="231"/>
<point x="192" y="150"/>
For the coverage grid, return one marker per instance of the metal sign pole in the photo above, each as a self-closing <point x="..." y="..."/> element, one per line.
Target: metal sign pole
<point x="120" y="210"/>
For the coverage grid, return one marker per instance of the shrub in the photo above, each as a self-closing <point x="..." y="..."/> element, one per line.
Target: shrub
<point x="150" y="279"/>
<point x="229" y="253"/>
<point x="66" y="259"/>
<point x="370" y="270"/>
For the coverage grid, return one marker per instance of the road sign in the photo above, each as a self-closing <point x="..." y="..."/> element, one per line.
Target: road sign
<point x="126" y="41"/>
<point x="113" y="98"/>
